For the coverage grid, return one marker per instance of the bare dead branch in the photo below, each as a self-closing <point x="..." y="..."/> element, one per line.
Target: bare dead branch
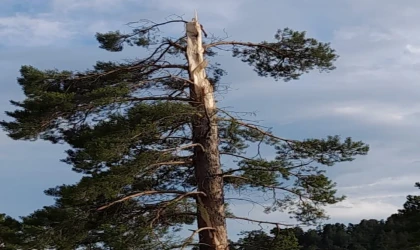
<point x="185" y="147"/>
<point x="150" y="168"/>
<point x="259" y="221"/>
<point x="189" y="239"/>
<point x="133" y="67"/>
<point x="154" y="25"/>
<point x="247" y="200"/>
<point x="158" y="98"/>
<point x="176" y="44"/>
<point x="245" y="44"/>
<point x="267" y="186"/>
<point x="254" y="127"/>
<point x="170" y="202"/>
<point x="150" y="192"/>
<point x="237" y="156"/>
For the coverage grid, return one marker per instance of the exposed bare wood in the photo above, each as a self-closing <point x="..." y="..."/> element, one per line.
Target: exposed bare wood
<point x="211" y="208"/>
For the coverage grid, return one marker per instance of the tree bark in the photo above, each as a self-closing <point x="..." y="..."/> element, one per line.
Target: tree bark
<point x="210" y="207"/>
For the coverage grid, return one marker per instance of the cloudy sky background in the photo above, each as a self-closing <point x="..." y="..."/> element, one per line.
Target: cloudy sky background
<point x="372" y="96"/>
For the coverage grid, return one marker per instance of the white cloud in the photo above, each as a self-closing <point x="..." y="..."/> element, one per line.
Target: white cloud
<point x="22" y="30"/>
<point x="104" y="6"/>
<point x="216" y="11"/>
<point x="376" y="113"/>
<point x="413" y="49"/>
<point x="353" y="210"/>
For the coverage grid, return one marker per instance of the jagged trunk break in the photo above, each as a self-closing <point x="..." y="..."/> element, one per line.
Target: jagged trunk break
<point x="210" y="208"/>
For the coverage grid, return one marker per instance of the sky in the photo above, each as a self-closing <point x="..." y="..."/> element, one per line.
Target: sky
<point x="373" y="95"/>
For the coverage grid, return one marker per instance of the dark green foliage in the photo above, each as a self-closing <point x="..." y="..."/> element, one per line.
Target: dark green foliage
<point x="141" y="36"/>
<point x="10" y="233"/>
<point x="67" y="227"/>
<point x="280" y="239"/>
<point x="129" y="129"/>
<point x="299" y="164"/>
<point x="291" y="55"/>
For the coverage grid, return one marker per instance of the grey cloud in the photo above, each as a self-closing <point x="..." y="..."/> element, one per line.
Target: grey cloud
<point x="376" y="81"/>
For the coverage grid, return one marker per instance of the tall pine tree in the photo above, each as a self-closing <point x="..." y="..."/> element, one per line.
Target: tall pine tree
<point x="147" y="137"/>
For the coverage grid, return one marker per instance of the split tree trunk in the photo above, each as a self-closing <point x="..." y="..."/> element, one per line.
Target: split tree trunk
<point x="210" y="208"/>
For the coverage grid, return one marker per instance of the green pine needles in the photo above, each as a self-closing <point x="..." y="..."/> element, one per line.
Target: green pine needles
<point x="133" y="131"/>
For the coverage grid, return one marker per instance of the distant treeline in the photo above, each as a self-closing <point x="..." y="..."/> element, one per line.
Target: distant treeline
<point x="400" y="231"/>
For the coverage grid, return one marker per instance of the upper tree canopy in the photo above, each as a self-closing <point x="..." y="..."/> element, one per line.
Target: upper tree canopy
<point x="129" y="128"/>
